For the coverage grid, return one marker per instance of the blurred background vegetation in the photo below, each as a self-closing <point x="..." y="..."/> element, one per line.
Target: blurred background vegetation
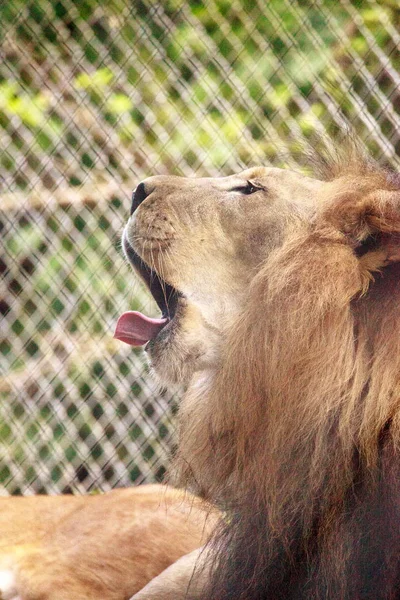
<point x="95" y="96"/>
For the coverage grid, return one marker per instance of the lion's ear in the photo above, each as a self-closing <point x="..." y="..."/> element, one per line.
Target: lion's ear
<point x="376" y="253"/>
<point x="370" y="223"/>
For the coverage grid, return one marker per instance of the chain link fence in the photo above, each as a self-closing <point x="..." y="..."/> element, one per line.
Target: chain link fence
<point x="95" y="96"/>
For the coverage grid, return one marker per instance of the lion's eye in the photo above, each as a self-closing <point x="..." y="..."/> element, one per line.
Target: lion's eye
<point x="248" y="188"/>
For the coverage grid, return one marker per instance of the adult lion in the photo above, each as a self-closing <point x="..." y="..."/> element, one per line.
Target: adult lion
<point x="281" y="313"/>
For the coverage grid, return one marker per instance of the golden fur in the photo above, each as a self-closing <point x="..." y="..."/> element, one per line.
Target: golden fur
<point x="103" y="546"/>
<point x="294" y="429"/>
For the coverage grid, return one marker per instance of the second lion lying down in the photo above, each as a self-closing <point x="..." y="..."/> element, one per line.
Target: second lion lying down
<point x="99" y="546"/>
<point x="280" y="300"/>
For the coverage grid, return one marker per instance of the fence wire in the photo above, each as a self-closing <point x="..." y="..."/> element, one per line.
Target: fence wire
<point x="95" y="96"/>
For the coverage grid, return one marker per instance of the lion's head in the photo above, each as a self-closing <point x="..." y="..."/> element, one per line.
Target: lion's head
<point x="198" y="243"/>
<point x="281" y="312"/>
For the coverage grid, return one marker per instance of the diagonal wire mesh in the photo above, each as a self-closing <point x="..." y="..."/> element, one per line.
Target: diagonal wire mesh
<point x="95" y="96"/>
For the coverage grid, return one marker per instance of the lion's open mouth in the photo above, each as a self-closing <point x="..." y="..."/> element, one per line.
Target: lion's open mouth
<point x="133" y="327"/>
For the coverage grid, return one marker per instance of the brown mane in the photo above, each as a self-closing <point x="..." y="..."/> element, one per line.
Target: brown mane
<point x="298" y="436"/>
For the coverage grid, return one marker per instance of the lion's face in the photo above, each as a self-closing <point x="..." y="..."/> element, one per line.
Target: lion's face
<point x="198" y="243"/>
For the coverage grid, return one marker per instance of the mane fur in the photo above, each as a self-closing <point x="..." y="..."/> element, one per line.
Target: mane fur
<point x="297" y="437"/>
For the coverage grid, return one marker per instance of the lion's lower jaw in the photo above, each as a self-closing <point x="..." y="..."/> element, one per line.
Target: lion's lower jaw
<point x="171" y="372"/>
<point x="174" y="365"/>
<point x="185" y="347"/>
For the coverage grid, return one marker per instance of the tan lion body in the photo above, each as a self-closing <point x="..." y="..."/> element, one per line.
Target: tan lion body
<point x="287" y="336"/>
<point x="102" y="546"/>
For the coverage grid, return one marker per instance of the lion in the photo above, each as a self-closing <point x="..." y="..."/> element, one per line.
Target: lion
<point x="105" y="546"/>
<point x="280" y="302"/>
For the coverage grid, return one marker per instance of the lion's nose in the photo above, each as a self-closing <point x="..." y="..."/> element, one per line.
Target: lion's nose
<point x="138" y="195"/>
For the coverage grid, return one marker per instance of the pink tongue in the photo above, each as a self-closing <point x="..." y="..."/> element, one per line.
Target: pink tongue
<point x="136" y="329"/>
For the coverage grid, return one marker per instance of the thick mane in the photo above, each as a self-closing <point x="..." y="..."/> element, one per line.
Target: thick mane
<point x="298" y="435"/>
<point x="346" y="157"/>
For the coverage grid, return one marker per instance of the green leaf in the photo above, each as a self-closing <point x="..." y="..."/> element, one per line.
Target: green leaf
<point x="98" y="79"/>
<point x="119" y="103"/>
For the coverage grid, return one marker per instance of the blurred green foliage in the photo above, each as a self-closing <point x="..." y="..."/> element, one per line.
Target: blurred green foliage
<point x="148" y="67"/>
